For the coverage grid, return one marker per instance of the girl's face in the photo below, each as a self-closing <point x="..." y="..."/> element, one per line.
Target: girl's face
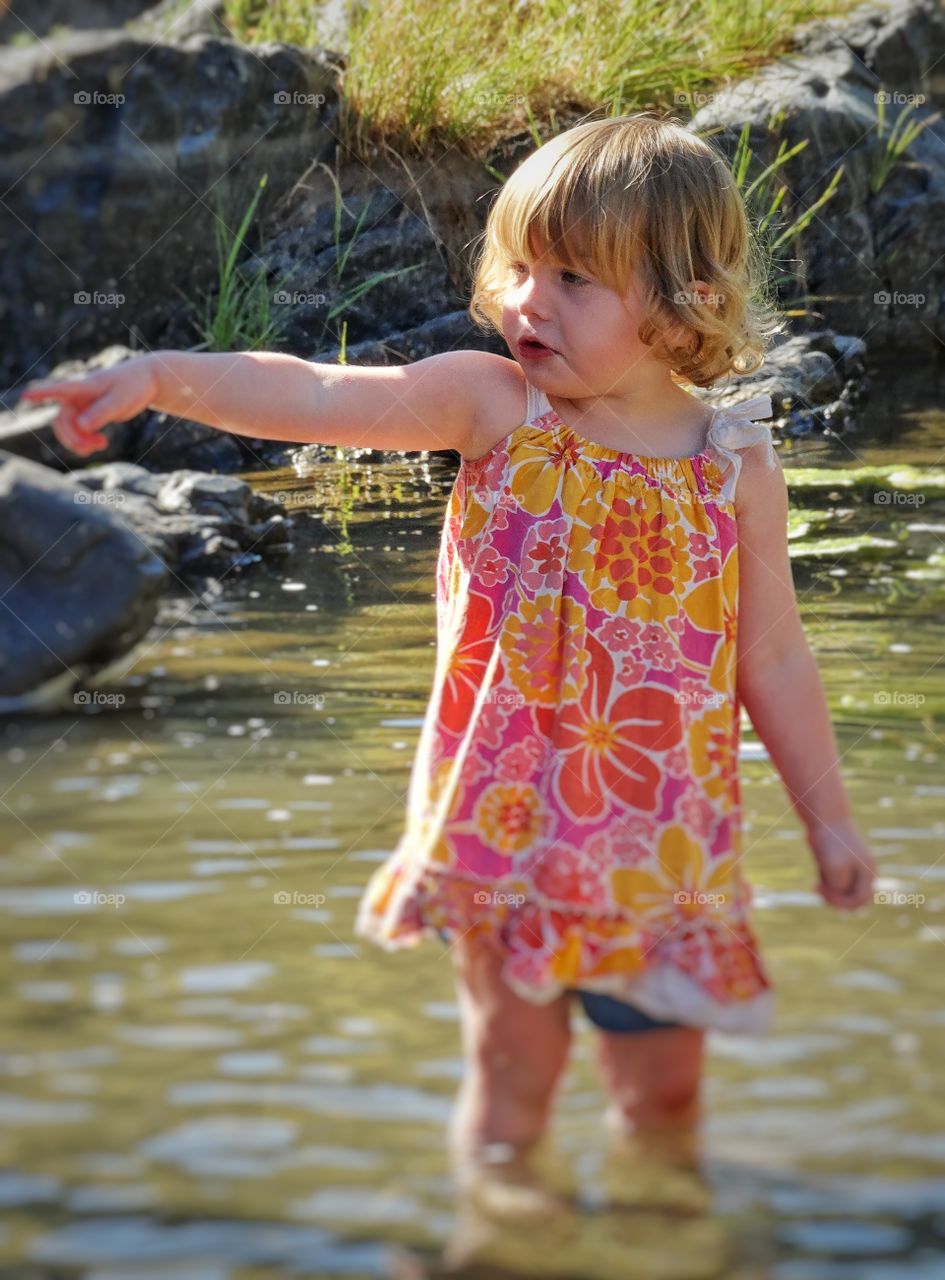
<point x="589" y="331"/>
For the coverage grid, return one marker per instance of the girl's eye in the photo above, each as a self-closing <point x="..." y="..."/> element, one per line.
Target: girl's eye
<point x="518" y="267"/>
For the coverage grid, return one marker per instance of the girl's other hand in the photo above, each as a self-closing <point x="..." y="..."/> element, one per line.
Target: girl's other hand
<point x="847" y="869"/>
<point x="88" y="403"/>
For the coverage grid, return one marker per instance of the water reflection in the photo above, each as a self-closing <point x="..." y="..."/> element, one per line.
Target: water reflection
<point x="204" y="1076"/>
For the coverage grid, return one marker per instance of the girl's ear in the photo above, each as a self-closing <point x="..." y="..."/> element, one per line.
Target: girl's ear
<point x="696" y="293"/>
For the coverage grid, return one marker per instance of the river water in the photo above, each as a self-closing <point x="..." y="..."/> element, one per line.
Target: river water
<point x="205" y="1076"/>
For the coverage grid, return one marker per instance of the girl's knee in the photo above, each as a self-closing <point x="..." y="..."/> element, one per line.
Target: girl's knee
<point x="658" y="1073"/>
<point x="523" y="1065"/>
<point x="670" y="1100"/>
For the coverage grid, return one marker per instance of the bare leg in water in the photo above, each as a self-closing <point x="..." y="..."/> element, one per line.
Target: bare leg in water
<point x="515" y="1056"/>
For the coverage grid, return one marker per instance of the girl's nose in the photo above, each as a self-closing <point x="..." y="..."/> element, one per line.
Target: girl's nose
<point x="531" y="299"/>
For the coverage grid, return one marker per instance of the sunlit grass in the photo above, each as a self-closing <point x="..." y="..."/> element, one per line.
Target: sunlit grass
<point x="422" y="73"/>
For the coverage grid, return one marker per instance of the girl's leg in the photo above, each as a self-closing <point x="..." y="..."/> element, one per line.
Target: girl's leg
<point x="515" y="1054"/>
<point x="654" y="1079"/>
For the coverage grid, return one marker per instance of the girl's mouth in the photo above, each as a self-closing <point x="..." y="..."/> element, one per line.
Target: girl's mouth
<point x="532" y="349"/>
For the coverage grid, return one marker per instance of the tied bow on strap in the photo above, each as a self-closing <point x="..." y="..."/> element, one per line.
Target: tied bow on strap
<point x="733" y="429"/>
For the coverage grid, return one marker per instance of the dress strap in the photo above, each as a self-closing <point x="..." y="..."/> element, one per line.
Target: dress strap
<point x="734" y="428"/>
<point x="538" y="403"/>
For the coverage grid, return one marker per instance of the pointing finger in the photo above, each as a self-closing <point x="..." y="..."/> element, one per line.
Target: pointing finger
<point x="57" y="390"/>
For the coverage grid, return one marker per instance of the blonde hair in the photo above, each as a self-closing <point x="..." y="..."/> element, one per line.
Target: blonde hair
<point x="638" y="193"/>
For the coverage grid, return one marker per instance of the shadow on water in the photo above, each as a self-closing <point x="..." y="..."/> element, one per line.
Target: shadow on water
<point x="206" y="1077"/>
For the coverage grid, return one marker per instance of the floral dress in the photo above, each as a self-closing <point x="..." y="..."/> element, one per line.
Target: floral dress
<point x="575" y="793"/>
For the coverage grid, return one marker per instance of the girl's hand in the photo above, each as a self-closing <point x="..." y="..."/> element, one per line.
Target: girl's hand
<point x="847" y="869"/>
<point x="88" y="403"/>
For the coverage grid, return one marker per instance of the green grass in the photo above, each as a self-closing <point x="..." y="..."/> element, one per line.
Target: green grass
<point x="423" y="73"/>
<point x="238" y="314"/>
<point x="901" y="137"/>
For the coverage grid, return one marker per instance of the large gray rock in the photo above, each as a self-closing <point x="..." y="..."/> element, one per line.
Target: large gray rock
<point x="872" y="259"/>
<point x="122" y="158"/>
<point x="79" y="588"/>
<point x="85" y="558"/>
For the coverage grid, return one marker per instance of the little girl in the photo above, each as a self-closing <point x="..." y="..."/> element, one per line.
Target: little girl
<point x="613" y="584"/>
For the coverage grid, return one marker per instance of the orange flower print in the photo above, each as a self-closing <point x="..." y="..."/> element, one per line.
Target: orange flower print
<point x="714" y="750"/>
<point x="682" y="883"/>
<point x="467" y="664"/>
<point x="546" y="469"/>
<point x="544" y="647"/>
<point x="633" y="555"/>
<point x="712" y="606"/>
<point x="510" y="817"/>
<point x="609" y="742"/>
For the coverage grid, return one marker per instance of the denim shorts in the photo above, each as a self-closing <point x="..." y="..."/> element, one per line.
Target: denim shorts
<point x="611" y="1014"/>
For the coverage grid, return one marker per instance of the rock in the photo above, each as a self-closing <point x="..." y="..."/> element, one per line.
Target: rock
<point x="84" y="559"/>
<point x="378" y="239"/>
<point x="873" y="257"/>
<point x="814" y="381"/>
<point x="122" y="159"/>
<point x="36" y="18"/>
<point x="197" y="523"/>
<point x="64" y="618"/>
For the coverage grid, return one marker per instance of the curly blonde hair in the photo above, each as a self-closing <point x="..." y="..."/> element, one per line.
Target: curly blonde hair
<point x="640" y="193"/>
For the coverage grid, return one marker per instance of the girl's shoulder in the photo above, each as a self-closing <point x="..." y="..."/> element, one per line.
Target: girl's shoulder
<point x="503" y="409"/>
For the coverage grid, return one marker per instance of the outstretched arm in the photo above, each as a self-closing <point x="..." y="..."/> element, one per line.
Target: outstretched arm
<point x="431" y="404"/>
<point x="780" y="687"/>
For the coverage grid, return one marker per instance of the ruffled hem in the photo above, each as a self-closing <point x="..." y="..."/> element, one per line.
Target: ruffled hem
<point x="703" y="971"/>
